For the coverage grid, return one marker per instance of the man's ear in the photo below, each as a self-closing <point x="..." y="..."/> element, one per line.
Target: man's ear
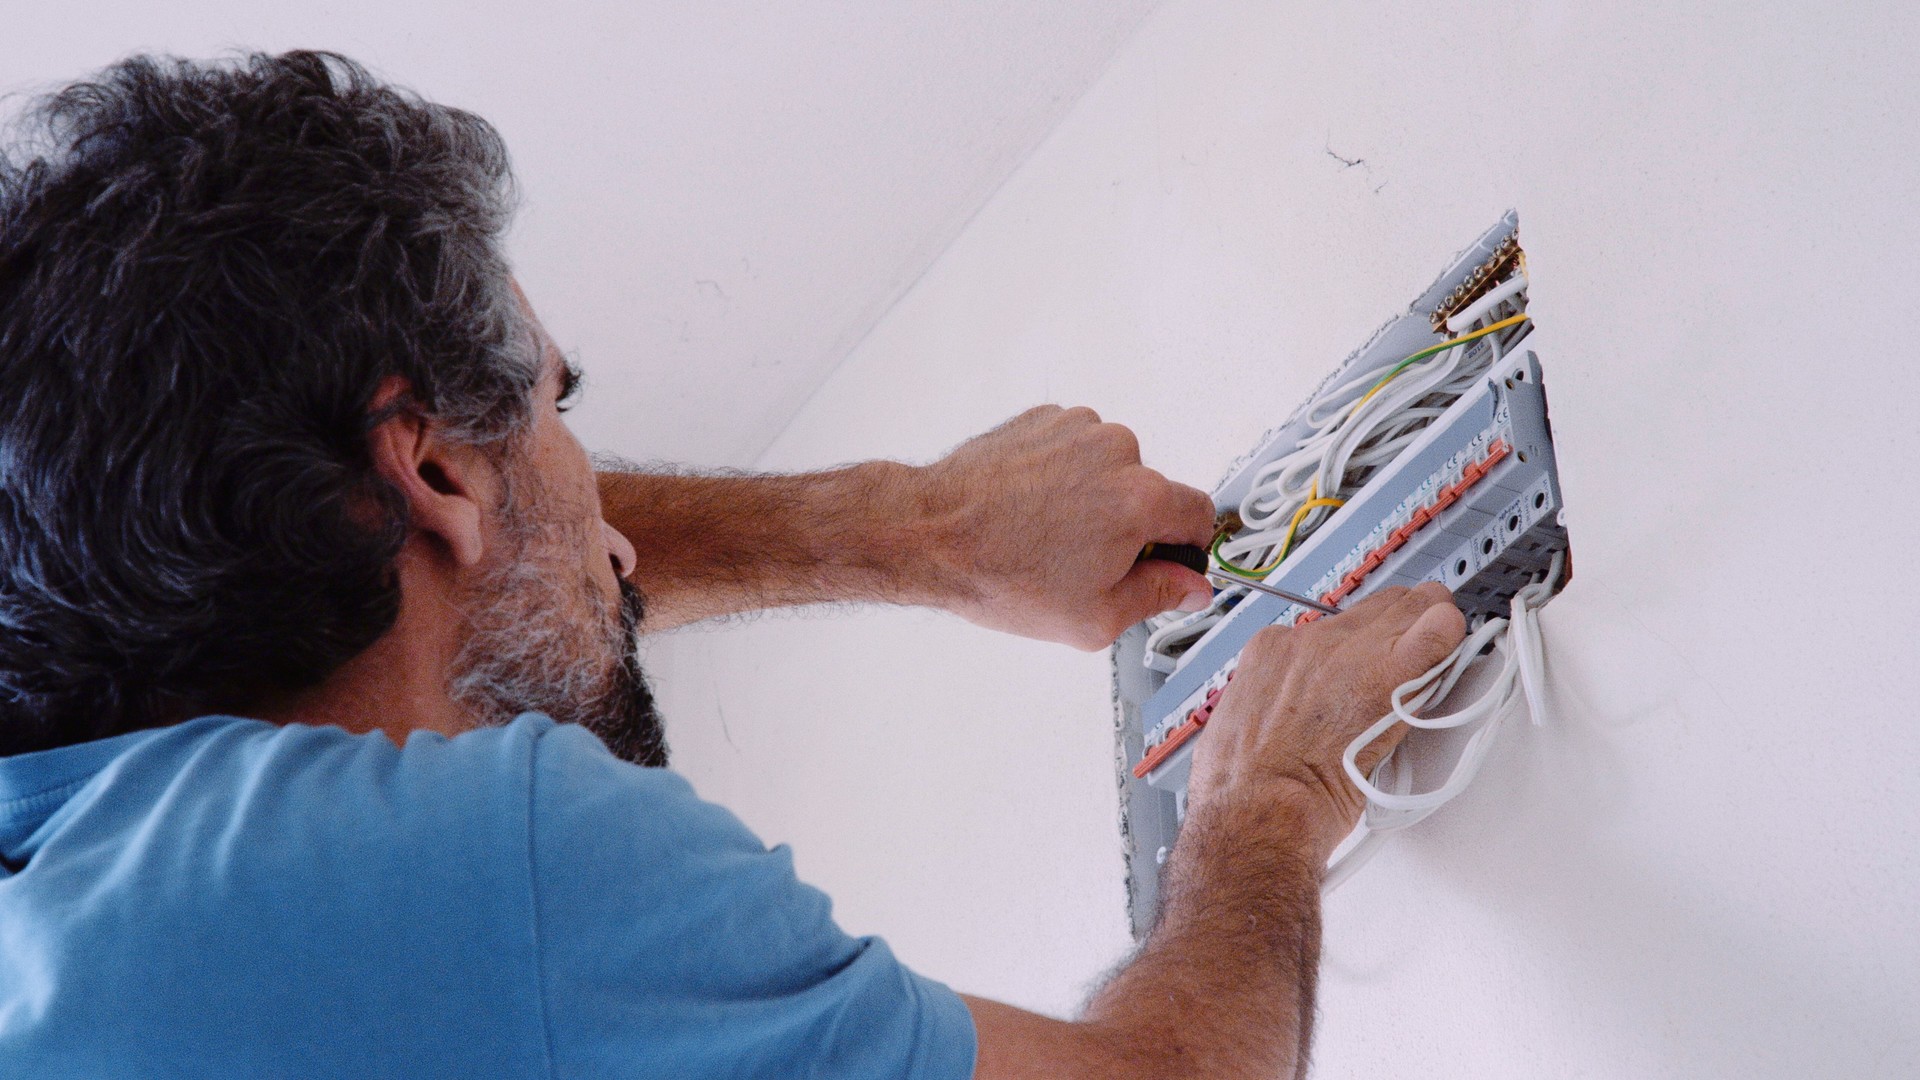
<point x="446" y="485"/>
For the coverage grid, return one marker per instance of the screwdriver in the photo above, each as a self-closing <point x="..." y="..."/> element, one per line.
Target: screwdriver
<point x="1196" y="560"/>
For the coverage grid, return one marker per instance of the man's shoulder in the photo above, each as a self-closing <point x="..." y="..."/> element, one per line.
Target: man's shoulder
<point x="218" y="766"/>
<point x="226" y="788"/>
<point x="306" y="808"/>
<point x="305" y="802"/>
<point x="289" y="886"/>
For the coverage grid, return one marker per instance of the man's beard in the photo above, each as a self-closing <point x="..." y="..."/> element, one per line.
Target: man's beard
<point x="542" y="638"/>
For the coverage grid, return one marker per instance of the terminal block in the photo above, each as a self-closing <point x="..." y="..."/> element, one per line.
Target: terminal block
<point x="1473" y="502"/>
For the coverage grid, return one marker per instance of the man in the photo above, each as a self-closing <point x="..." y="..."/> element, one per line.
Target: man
<point x="326" y="751"/>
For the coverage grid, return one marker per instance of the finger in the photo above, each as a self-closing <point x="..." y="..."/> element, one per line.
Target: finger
<point x="1117" y="443"/>
<point x="1425" y="595"/>
<point x="1379" y="618"/>
<point x="1178" y="514"/>
<point x="1434" y="634"/>
<point x="1154" y="586"/>
<point x="1377" y="750"/>
<point x="1416" y="601"/>
<point x="1395" y="604"/>
<point x="1378" y="606"/>
<point x="1039" y="414"/>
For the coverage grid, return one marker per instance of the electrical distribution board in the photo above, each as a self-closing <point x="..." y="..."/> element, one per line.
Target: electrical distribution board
<point x="1470" y="498"/>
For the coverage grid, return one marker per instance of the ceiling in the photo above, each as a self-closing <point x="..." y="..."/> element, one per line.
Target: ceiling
<point x="720" y="199"/>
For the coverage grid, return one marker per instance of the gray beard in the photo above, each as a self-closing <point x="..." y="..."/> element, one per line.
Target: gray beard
<point x="530" y="650"/>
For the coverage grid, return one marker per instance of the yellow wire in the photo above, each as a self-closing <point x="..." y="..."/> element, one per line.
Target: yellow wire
<point x="1314" y="502"/>
<point x="1293" y="527"/>
<point x="1313" y="493"/>
<point x="1447" y="344"/>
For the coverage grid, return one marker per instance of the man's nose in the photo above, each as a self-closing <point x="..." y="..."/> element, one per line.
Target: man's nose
<point x="620" y="550"/>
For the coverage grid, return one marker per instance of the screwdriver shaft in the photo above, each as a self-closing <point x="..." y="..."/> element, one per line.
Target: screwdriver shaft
<point x="1261" y="586"/>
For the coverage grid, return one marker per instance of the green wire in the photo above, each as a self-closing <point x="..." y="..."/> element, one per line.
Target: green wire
<point x="1421" y="355"/>
<point x="1442" y="347"/>
<point x="1231" y="568"/>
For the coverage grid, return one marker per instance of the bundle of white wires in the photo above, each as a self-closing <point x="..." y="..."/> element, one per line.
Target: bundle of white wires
<point x="1392" y="804"/>
<point x="1354" y="429"/>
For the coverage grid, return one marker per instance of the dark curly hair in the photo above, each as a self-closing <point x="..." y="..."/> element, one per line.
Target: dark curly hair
<point x="206" y="271"/>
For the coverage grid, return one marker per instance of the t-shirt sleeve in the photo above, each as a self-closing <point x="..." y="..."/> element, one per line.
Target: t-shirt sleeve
<point x="672" y="942"/>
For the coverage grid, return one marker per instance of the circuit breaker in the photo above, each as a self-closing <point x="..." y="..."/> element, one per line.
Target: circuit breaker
<point x="1467" y="494"/>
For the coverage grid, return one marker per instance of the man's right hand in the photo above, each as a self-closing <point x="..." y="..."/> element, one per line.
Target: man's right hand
<point x="1036" y="528"/>
<point x="1301" y="695"/>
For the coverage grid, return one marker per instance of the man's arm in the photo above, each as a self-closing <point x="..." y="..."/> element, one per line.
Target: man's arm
<point x="1031" y="528"/>
<point x="1224" y="985"/>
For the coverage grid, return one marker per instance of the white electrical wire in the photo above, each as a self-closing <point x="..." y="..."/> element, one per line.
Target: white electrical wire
<point x="1177" y="629"/>
<point x="1334" y="459"/>
<point x="1354" y="429"/>
<point x="1392" y="804"/>
<point x="1461" y="320"/>
<point x="1350" y="436"/>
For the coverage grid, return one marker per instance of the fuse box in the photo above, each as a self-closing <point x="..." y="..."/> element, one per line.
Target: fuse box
<point x="1472" y="500"/>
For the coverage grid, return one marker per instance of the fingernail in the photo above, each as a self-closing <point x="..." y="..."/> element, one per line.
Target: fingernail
<point x="1195" y="600"/>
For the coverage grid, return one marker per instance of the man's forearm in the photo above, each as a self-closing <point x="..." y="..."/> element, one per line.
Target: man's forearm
<point x="1225" y="983"/>
<point x="1034" y="528"/>
<point x="1223" y="986"/>
<point x="718" y="545"/>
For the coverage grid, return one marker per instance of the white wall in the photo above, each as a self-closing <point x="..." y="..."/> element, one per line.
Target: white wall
<point x="721" y="196"/>
<point x="1705" y="864"/>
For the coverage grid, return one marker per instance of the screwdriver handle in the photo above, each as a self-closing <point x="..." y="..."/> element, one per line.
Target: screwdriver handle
<point x="1187" y="555"/>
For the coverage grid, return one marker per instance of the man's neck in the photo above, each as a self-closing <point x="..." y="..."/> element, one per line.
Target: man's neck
<point x="399" y="683"/>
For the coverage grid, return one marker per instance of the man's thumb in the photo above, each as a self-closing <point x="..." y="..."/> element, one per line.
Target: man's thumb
<point x="1430" y="639"/>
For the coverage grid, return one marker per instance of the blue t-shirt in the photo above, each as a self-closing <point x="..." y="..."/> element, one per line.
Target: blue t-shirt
<point x="230" y="898"/>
